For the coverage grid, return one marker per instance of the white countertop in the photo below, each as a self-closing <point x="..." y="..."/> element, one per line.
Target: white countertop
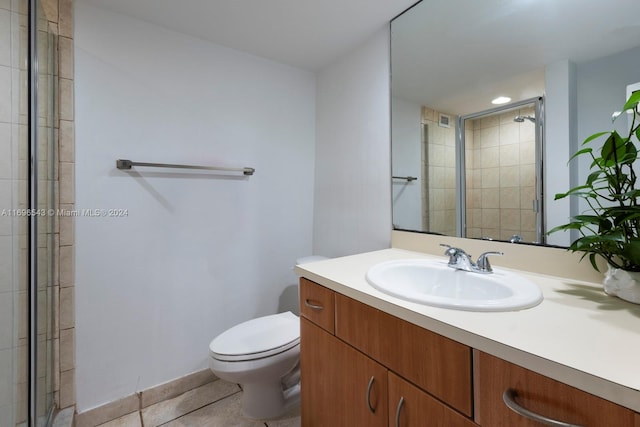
<point x="577" y="335"/>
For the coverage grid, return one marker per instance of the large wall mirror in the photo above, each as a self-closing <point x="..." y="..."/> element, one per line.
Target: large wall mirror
<point x="464" y="166"/>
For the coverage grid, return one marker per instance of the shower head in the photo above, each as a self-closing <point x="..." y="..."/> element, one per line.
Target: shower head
<point x="521" y="119"/>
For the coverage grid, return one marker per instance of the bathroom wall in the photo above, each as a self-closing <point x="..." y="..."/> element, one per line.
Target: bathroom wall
<point x="406" y="158"/>
<point x="352" y="194"/>
<point x="193" y="253"/>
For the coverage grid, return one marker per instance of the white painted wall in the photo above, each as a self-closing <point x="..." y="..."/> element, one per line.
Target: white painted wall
<point x="560" y="143"/>
<point x="352" y="194"/>
<point x="406" y="160"/>
<point x="197" y="253"/>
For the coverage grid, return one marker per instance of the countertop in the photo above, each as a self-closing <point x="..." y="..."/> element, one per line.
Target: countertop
<point x="578" y="335"/>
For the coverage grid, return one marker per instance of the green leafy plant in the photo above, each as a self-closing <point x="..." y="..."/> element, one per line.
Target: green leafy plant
<point x="611" y="226"/>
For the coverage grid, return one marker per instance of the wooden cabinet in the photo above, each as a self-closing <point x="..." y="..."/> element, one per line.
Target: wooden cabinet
<point x="410" y="406"/>
<point x="432" y="362"/>
<point x="538" y="394"/>
<point x="363" y="367"/>
<point x="340" y="385"/>
<point x="346" y="377"/>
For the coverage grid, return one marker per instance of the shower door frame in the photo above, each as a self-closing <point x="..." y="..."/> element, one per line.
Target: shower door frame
<point x="461" y="177"/>
<point x="36" y="98"/>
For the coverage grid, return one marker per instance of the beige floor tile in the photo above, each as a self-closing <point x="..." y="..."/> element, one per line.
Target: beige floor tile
<point x="129" y="420"/>
<point x="289" y="419"/>
<point x="224" y="413"/>
<point x="171" y="409"/>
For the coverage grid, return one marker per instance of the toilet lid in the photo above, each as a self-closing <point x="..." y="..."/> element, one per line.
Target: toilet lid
<point x="257" y="338"/>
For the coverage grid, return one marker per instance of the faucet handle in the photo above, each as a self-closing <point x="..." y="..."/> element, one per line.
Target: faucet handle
<point x="483" y="265"/>
<point x="453" y="253"/>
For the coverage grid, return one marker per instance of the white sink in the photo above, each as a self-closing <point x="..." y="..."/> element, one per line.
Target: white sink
<point x="432" y="282"/>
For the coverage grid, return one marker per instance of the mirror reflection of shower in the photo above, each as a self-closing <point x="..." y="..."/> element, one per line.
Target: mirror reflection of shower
<point x="503" y="190"/>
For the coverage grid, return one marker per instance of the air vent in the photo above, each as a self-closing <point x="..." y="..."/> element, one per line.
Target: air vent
<point x="444" y="120"/>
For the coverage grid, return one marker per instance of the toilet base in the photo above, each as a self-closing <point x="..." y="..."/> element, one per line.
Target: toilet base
<point x="268" y="400"/>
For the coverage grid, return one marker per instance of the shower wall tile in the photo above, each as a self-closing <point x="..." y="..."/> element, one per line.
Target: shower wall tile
<point x="67" y="311"/>
<point x="490" y="177"/>
<point x="489" y="137"/>
<point x="509" y="155"/>
<point x="6" y="377"/>
<point x="510" y="220"/>
<point x="66" y="99"/>
<point x="67" y="183"/>
<point x="6" y="263"/>
<point x="6" y="318"/>
<point x="65" y="18"/>
<point x="509" y="133"/>
<point x="67" y="350"/>
<point x="66" y="141"/>
<point x="528" y="153"/>
<point x="5" y="37"/>
<point x="6" y="99"/>
<point x="510" y="198"/>
<point x="65" y="53"/>
<point x="510" y="176"/>
<point x="67" y="265"/>
<point x="490" y="157"/>
<point x="67" y="388"/>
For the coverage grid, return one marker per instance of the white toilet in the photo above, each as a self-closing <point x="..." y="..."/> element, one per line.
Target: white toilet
<point x="262" y="356"/>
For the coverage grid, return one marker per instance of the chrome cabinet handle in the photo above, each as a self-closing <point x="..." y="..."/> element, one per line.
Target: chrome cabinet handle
<point x="509" y="397"/>
<point x="308" y="303"/>
<point x="371" y="408"/>
<point x="398" y="410"/>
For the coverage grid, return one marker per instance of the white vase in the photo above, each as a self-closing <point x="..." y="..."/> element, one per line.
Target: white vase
<point x="623" y="284"/>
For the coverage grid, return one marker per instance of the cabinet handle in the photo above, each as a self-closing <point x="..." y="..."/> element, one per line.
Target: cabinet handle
<point x="371" y="408"/>
<point x="398" y="410"/>
<point x="309" y="304"/>
<point x="509" y="397"/>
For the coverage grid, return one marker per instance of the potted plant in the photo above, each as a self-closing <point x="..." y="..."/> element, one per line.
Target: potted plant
<point x="610" y="228"/>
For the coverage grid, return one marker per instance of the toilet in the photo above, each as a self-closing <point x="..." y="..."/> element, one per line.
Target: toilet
<point x="262" y="356"/>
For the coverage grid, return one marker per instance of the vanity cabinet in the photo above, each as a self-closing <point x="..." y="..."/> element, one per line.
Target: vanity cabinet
<point x="373" y="369"/>
<point x="539" y="394"/>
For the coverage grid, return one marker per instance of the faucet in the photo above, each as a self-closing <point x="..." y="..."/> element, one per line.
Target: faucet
<point x="460" y="260"/>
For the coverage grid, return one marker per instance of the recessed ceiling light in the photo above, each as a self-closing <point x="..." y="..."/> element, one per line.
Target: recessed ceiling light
<point x="501" y="100"/>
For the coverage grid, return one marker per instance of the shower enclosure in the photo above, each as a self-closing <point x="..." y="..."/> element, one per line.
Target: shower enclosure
<point x="501" y="155"/>
<point x="28" y="151"/>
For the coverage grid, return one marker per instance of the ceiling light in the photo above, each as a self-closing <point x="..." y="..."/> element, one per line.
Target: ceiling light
<point x="501" y="100"/>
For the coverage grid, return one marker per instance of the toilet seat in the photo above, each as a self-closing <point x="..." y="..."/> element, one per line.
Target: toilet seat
<point x="257" y="338"/>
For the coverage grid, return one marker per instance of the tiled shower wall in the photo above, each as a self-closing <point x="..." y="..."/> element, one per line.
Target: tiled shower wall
<point x="500" y="163"/>
<point x="439" y="171"/>
<point x="60" y="15"/>
<point x="55" y="166"/>
<point x="13" y="119"/>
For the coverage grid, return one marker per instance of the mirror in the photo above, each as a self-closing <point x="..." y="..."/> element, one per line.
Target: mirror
<point x="450" y="59"/>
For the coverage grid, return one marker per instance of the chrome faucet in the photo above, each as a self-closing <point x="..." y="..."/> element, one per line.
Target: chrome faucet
<point x="460" y="260"/>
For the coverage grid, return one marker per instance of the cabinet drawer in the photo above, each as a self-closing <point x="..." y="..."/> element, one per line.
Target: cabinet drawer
<point x="410" y="406"/>
<point x="539" y="394"/>
<point x="317" y="304"/>
<point x="434" y="363"/>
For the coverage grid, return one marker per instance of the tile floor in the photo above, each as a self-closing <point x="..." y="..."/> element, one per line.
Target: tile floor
<point x="216" y="404"/>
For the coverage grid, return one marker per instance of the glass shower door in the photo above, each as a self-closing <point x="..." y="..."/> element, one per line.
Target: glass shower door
<point x="26" y="240"/>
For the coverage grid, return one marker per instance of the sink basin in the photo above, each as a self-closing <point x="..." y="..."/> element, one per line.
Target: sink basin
<point x="432" y="282"/>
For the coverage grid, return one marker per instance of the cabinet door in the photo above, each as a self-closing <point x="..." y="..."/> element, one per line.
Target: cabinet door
<point x="340" y="385"/>
<point x="538" y="394"/>
<point x="410" y="406"/>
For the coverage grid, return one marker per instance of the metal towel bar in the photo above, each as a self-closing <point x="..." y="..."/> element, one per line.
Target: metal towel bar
<point x="406" y="178"/>
<point x="128" y="164"/>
